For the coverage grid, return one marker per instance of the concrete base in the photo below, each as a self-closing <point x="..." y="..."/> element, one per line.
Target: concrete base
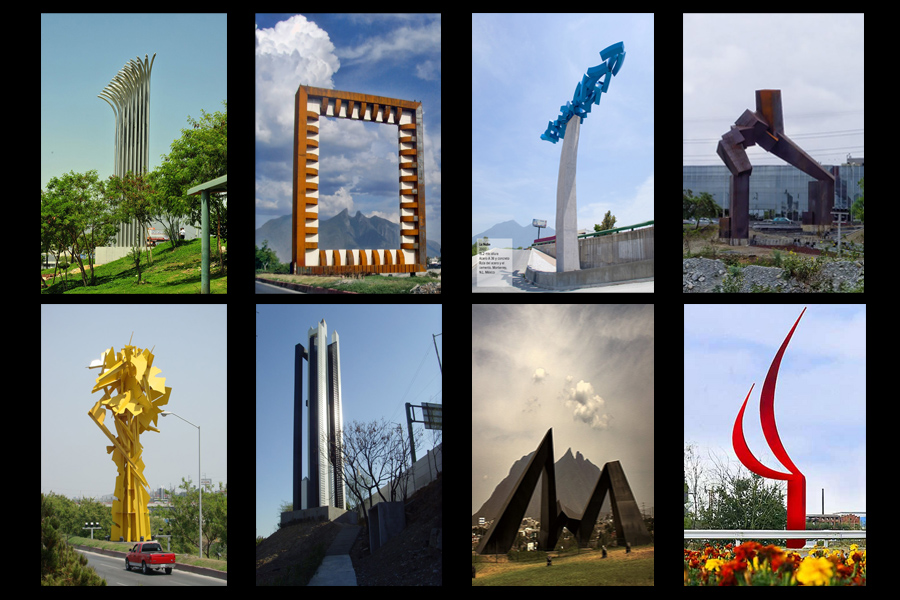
<point x="735" y="241"/>
<point x="591" y="277"/>
<point x="320" y="513"/>
<point x="386" y="520"/>
<point x="566" y="206"/>
<point x="107" y="254"/>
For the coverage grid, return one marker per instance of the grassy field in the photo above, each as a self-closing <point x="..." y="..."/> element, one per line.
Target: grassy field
<point x="170" y="272"/>
<point x="587" y="568"/>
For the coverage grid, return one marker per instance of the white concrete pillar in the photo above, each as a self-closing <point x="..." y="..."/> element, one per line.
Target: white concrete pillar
<point x="566" y="209"/>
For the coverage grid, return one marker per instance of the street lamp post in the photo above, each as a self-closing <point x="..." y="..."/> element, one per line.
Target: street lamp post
<point x="166" y="413"/>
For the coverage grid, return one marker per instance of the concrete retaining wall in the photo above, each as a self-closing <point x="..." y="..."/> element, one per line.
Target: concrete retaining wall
<point x="591" y="277"/>
<point x="613" y="249"/>
<point x="617" y="248"/>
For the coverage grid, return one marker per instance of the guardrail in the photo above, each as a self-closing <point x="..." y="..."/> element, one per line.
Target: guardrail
<point x="756" y="534"/>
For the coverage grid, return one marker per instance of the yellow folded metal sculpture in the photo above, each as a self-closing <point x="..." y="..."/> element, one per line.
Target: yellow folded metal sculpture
<point x="134" y="394"/>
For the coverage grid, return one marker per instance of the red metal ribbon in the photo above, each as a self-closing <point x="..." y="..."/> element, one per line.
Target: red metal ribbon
<point x="796" y="492"/>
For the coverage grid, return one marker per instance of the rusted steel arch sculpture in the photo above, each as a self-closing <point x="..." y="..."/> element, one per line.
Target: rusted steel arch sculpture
<point x="766" y="128"/>
<point x="796" y="486"/>
<point x="554" y="515"/>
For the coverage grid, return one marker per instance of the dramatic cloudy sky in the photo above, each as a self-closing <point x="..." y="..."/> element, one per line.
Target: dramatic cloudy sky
<point x="727" y="57"/>
<point x="396" y="56"/>
<point x="585" y="371"/>
<point x="820" y="397"/>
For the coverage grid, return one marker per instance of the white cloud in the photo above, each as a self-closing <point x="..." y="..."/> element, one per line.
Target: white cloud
<point x="587" y="406"/>
<point x="294" y="52"/>
<point x="539" y="376"/>
<point x="335" y="203"/>
<point x="401" y="41"/>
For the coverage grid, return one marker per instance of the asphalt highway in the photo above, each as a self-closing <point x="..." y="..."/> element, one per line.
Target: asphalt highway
<point x="112" y="569"/>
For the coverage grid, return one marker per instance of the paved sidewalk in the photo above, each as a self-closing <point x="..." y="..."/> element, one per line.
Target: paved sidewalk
<point x="337" y="569"/>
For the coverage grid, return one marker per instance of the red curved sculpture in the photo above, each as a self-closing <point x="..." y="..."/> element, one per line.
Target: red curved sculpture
<point x="796" y="487"/>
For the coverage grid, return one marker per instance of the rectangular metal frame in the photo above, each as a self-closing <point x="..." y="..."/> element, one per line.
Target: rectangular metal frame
<point x="307" y="258"/>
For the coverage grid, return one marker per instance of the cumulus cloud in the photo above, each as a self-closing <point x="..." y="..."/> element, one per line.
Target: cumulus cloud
<point x="587" y="406"/>
<point x="539" y="375"/>
<point x="295" y="51"/>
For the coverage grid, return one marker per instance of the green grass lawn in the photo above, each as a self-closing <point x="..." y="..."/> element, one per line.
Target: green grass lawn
<point x="171" y="272"/>
<point x="587" y="568"/>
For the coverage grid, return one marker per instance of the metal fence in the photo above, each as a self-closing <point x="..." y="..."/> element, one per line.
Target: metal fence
<point x="757" y="534"/>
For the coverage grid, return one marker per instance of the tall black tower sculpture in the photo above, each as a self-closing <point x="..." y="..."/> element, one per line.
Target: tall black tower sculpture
<point x="299" y="355"/>
<point x="326" y="421"/>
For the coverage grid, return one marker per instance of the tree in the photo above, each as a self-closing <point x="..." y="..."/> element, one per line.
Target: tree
<point x="75" y="217"/>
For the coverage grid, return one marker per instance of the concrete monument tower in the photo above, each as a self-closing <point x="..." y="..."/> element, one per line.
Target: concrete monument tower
<point x="326" y="422"/>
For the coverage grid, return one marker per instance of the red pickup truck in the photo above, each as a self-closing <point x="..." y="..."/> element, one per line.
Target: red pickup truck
<point x="149" y="555"/>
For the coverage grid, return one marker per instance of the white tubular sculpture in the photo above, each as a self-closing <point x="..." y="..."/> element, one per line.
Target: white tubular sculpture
<point x="128" y="94"/>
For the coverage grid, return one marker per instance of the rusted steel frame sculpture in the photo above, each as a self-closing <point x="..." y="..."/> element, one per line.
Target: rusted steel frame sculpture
<point x="630" y="526"/>
<point x="796" y="486"/>
<point x="766" y="128"/>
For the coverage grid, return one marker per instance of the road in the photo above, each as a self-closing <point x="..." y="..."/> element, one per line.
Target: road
<point x="112" y="569"/>
<point x="265" y="288"/>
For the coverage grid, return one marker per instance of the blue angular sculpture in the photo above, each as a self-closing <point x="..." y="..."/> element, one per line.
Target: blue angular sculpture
<point x="587" y="92"/>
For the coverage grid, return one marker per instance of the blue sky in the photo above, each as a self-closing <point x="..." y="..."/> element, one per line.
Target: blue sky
<point x="391" y="55"/>
<point x="387" y="359"/>
<point x="524" y="67"/>
<point x="80" y="54"/>
<point x="190" y="345"/>
<point x="820" y="398"/>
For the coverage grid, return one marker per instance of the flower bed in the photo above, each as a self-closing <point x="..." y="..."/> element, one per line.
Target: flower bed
<point x="752" y="563"/>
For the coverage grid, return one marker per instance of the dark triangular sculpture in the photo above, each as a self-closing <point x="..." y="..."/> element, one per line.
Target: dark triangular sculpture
<point x="554" y="516"/>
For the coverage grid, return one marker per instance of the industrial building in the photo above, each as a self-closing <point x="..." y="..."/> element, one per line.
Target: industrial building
<point x="776" y="190"/>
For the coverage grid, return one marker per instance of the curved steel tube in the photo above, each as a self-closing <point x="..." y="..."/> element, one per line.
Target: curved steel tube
<point x="128" y="94"/>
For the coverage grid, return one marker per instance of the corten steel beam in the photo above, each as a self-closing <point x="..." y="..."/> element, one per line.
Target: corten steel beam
<point x="766" y="128"/>
<point x="306" y="256"/>
<point x="500" y="537"/>
<point x="128" y="94"/>
<point x="554" y="515"/>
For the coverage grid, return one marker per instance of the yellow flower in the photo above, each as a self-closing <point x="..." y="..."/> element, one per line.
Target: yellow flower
<point x="713" y="564"/>
<point x="815" y="571"/>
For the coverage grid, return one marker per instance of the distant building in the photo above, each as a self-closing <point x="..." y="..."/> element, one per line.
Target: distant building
<point x="775" y="190"/>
